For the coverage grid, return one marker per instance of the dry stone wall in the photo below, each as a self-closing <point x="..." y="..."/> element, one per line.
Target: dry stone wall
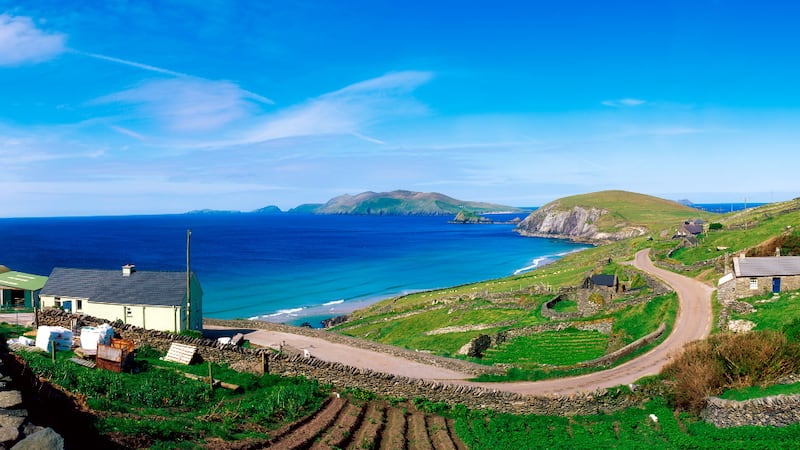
<point x="774" y="411"/>
<point x="342" y="376"/>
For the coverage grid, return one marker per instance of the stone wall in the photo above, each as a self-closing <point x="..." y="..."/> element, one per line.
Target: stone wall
<point x="15" y="424"/>
<point x="342" y="376"/>
<point x="775" y="411"/>
<point x="627" y="350"/>
<point x="548" y="311"/>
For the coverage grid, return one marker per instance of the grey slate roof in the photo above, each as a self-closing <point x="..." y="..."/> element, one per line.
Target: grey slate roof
<point x="604" y="280"/>
<point x="109" y="286"/>
<point x="766" y="266"/>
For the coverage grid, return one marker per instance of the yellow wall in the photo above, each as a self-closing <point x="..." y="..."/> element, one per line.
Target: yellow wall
<point x="165" y="318"/>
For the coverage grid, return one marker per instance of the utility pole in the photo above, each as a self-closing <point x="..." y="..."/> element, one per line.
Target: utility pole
<point x="188" y="280"/>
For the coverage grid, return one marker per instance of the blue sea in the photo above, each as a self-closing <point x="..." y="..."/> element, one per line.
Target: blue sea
<point x="283" y="267"/>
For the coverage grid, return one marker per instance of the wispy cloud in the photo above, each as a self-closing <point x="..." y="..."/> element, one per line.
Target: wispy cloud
<point x="188" y="104"/>
<point x="22" y="42"/>
<point x="624" y="102"/>
<point x="347" y="111"/>
<point x="132" y="64"/>
<point x="127" y="132"/>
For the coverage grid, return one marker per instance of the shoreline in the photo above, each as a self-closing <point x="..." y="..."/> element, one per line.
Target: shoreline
<point x="314" y="315"/>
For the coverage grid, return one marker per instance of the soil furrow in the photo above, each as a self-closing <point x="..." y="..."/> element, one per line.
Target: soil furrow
<point x="439" y="434"/>
<point x="304" y="435"/>
<point x="340" y="433"/>
<point x="417" y="433"/>
<point x="394" y="435"/>
<point x="369" y="434"/>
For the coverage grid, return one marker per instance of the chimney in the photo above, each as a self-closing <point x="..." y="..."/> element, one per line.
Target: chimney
<point x="128" y="269"/>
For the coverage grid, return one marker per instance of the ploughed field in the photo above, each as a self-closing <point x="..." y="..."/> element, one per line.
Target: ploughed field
<point x="368" y="424"/>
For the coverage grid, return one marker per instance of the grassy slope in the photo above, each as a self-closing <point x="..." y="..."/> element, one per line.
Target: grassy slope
<point x="407" y="320"/>
<point x="743" y="230"/>
<point x="628" y="208"/>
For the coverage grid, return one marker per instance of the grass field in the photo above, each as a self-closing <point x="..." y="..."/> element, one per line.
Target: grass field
<point x="632" y="428"/>
<point x="556" y="348"/>
<point x="772" y="313"/>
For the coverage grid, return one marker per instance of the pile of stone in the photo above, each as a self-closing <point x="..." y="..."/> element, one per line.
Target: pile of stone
<point x="16" y="431"/>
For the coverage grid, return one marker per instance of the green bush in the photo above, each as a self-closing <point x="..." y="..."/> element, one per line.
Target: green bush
<point x="792" y="330"/>
<point x="729" y="361"/>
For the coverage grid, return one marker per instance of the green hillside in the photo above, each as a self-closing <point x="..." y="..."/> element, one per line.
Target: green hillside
<point x="444" y="321"/>
<point x="629" y="208"/>
<point x="403" y="203"/>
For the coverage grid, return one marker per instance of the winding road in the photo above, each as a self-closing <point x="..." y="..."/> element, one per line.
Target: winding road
<point x="692" y="323"/>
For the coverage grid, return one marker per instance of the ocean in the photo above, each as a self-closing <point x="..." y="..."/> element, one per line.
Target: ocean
<point x="284" y="267"/>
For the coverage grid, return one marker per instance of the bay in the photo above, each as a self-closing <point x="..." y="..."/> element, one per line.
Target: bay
<point x="284" y="267"/>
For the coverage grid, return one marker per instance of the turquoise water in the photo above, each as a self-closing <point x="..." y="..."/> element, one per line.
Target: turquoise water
<point x="285" y="267"/>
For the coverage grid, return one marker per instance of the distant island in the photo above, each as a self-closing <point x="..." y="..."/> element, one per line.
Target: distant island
<point x="469" y="217"/>
<point x="400" y="203"/>
<point x="394" y="203"/>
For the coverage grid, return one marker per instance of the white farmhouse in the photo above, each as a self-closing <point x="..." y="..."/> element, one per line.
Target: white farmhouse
<point x="152" y="300"/>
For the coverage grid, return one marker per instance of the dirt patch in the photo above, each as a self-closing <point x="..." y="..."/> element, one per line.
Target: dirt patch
<point x="304" y="435"/>
<point x="368" y="435"/>
<point x="417" y="433"/>
<point x="342" y="430"/>
<point x="451" y="428"/>
<point x="394" y="435"/>
<point x="439" y="434"/>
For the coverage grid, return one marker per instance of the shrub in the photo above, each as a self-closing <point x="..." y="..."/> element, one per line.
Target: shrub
<point x="729" y="361"/>
<point x="714" y="226"/>
<point x="792" y="330"/>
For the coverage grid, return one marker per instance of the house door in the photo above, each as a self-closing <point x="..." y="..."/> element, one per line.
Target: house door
<point x="776" y="285"/>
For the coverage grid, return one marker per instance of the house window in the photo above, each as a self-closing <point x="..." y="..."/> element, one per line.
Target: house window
<point x="78" y="305"/>
<point x="128" y="312"/>
<point x="753" y="283"/>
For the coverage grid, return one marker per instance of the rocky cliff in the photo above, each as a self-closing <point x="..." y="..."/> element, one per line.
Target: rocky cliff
<point x="578" y="223"/>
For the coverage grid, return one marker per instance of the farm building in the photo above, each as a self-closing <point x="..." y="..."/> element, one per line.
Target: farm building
<point x="608" y="282"/>
<point x="759" y="275"/>
<point x="152" y="300"/>
<point x="20" y="290"/>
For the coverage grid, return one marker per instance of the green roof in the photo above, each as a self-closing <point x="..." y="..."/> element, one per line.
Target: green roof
<point x="24" y="281"/>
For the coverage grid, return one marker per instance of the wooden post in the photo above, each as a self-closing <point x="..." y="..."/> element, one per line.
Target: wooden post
<point x="210" y="377"/>
<point x="53" y="351"/>
<point x="264" y="363"/>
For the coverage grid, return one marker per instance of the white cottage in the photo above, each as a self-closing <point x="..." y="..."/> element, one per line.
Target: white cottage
<point x="152" y="300"/>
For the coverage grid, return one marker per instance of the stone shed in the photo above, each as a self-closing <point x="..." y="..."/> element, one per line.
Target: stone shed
<point x="759" y="275"/>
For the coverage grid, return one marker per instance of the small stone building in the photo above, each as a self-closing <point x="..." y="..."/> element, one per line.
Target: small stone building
<point x="759" y="275"/>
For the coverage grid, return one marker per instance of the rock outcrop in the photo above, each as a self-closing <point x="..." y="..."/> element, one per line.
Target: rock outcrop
<point x="576" y="224"/>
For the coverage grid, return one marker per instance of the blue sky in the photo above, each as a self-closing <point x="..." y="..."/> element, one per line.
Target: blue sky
<point x="115" y="107"/>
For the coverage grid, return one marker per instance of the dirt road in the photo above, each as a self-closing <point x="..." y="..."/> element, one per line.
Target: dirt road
<point x="693" y="322"/>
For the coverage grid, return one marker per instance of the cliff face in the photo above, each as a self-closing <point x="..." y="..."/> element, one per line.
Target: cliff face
<point x="576" y="224"/>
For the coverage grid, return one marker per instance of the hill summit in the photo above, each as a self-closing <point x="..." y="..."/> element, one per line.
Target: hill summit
<point x="402" y="202"/>
<point x="605" y="216"/>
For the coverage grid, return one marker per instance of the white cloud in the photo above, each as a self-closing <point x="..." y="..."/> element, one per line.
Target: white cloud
<point x="187" y="104"/>
<point x="21" y="42"/>
<point x="624" y="102"/>
<point x="347" y="111"/>
<point x="126" y="62"/>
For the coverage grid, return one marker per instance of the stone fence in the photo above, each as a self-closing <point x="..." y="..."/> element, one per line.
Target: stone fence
<point x="775" y="411"/>
<point x="627" y="350"/>
<point x="342" y="376"/>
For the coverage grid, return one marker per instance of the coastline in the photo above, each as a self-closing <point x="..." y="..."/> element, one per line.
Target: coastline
<point x="314" y="315"/>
